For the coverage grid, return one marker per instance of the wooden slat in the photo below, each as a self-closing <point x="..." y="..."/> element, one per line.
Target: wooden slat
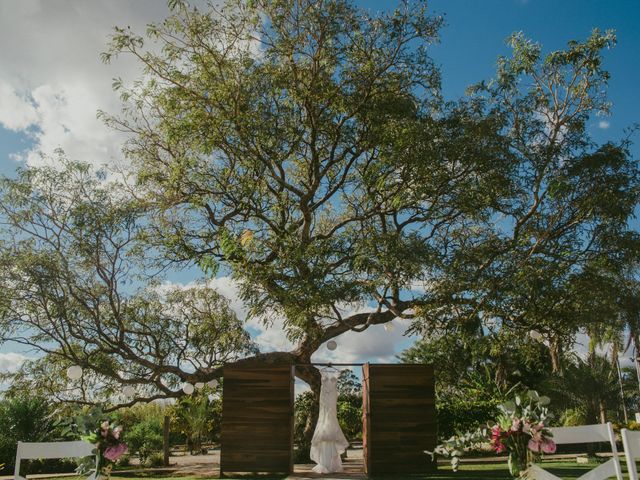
<point x="257" y="420"/>
<point x="399" y="418"/>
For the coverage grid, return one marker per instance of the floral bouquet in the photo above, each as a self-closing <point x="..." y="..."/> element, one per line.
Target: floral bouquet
<point x="109" y="447"/>
<point x="520" y="431"/>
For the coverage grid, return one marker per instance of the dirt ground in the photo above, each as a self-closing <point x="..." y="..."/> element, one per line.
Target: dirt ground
<point x="208" y="466"/>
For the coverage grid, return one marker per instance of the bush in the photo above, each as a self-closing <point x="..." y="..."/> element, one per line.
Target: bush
<point x="156" y="459"/>
<point x="26" y="419"/>
<point x="145" y="438"/>
<point x="457" y="416"/>
<point x="124" y="461"/>
<point x="573" y="417"/>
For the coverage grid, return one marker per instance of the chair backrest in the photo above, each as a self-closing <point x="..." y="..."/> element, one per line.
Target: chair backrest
<point x="631" y="444"/>
<point x="582" y="434"/>
<point x="585" y="434"/>
<point x="30" y="451"/>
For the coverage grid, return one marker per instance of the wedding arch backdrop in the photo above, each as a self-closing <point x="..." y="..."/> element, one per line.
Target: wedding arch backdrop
<point x="399" y="418"/>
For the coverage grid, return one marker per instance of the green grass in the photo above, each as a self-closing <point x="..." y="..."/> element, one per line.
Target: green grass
<point x="485" y="471"/>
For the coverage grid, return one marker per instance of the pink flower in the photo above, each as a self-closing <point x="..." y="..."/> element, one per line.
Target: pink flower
<point x="534" y="445"/>
<point x="115" y="452"/>
<point x="542" y="445"/>
<point x="516" y="425"/>
<point x="549" y="446"/>
<point x="116" y="432"/>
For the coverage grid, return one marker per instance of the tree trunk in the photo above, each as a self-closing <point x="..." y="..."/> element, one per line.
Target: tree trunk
<point x="165" y="440"/>
<point x="555" y="351"/>
<point x="603" y="412"/>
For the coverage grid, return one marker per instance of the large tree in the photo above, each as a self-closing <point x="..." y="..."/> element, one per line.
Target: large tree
<point x="303" y="146"/>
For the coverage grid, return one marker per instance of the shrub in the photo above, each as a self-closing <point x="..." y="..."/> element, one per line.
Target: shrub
<point x="573" y="417"/>
<point x="156" y="459"/>
<point x="26" y="419"/>
<point x="145" y="438"/>
<point x="456" y="416"/>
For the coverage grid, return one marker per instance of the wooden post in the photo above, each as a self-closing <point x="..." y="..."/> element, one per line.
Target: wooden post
<point x="165" y="439"/>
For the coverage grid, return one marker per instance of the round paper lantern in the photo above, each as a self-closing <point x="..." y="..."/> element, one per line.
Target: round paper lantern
<point x="129" y="391"/>
<point x="213" y="383"/>
<point x="199" y="385"/>
<point x="188" y="388"/>
<point x="536" y="335"/>
<point x="74" y="372"/>
<point x="389" y="327"/>
<point x="332" y="345"/>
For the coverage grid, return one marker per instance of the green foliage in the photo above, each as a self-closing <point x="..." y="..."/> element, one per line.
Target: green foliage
<point x="349" y="404"/>
<point x="303" y="406"/>
<point x="457" y="416"/>
<point x="145" y="438"/>
<point x="198" y="418"/>
<point x="26" y="419"/>
<point x="591" y="387"/>
<point x="81" y="247"/>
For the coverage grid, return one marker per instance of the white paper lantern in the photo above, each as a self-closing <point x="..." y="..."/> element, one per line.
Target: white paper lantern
<point x="188" y="388"/>
<point x="213" y="383"/>
<point x="128" y="391"/>
<point x="534" y="334"/>
<point x="332" y="345"/>
<point x="74" y="372"/>
<point x="389" y="327"/>
<point x="199" y="385"/>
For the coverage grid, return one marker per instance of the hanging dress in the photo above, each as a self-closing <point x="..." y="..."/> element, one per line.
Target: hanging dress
<point x="328" y="441"/>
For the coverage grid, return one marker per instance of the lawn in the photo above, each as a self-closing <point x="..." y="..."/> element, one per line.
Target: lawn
<point x="487" y="471"/>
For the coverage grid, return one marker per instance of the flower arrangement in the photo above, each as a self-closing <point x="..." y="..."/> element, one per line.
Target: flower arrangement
<point x="109" y="447"/>
<point x="520" y="431"/>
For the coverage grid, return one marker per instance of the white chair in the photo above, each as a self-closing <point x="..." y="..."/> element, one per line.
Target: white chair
<point x="32" y="451"/>
<point x="631" y="443"/>
<point x="584" y="434"/>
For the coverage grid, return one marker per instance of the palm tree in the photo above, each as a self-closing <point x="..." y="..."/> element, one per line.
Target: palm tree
<point x="590" y="385"/>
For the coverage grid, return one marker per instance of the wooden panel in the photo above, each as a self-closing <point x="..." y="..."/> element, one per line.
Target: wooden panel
<point x="257" y="420"/>
<point x="399" y="421"/>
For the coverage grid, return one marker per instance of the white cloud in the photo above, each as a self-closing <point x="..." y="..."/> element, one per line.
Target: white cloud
<point x="11" y="362"/>
<point x="604" y="124"/>
<point x="52" y="81"/>
<point x="376" y="344"/>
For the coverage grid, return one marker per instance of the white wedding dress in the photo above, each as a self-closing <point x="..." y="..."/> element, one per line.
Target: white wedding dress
<point x="328" y="441"/>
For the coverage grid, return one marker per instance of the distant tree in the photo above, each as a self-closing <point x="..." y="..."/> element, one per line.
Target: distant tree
<point x="198" y="418"/>
<point x="350" y="404"/>
<point x="591" y="386"/>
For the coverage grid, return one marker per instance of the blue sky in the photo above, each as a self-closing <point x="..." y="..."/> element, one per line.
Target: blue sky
<point x="52" y="83"/>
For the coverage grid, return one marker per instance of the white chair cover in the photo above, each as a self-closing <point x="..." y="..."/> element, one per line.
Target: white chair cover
<point x="584" y="434"/>
<point x="35" y="450"/>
